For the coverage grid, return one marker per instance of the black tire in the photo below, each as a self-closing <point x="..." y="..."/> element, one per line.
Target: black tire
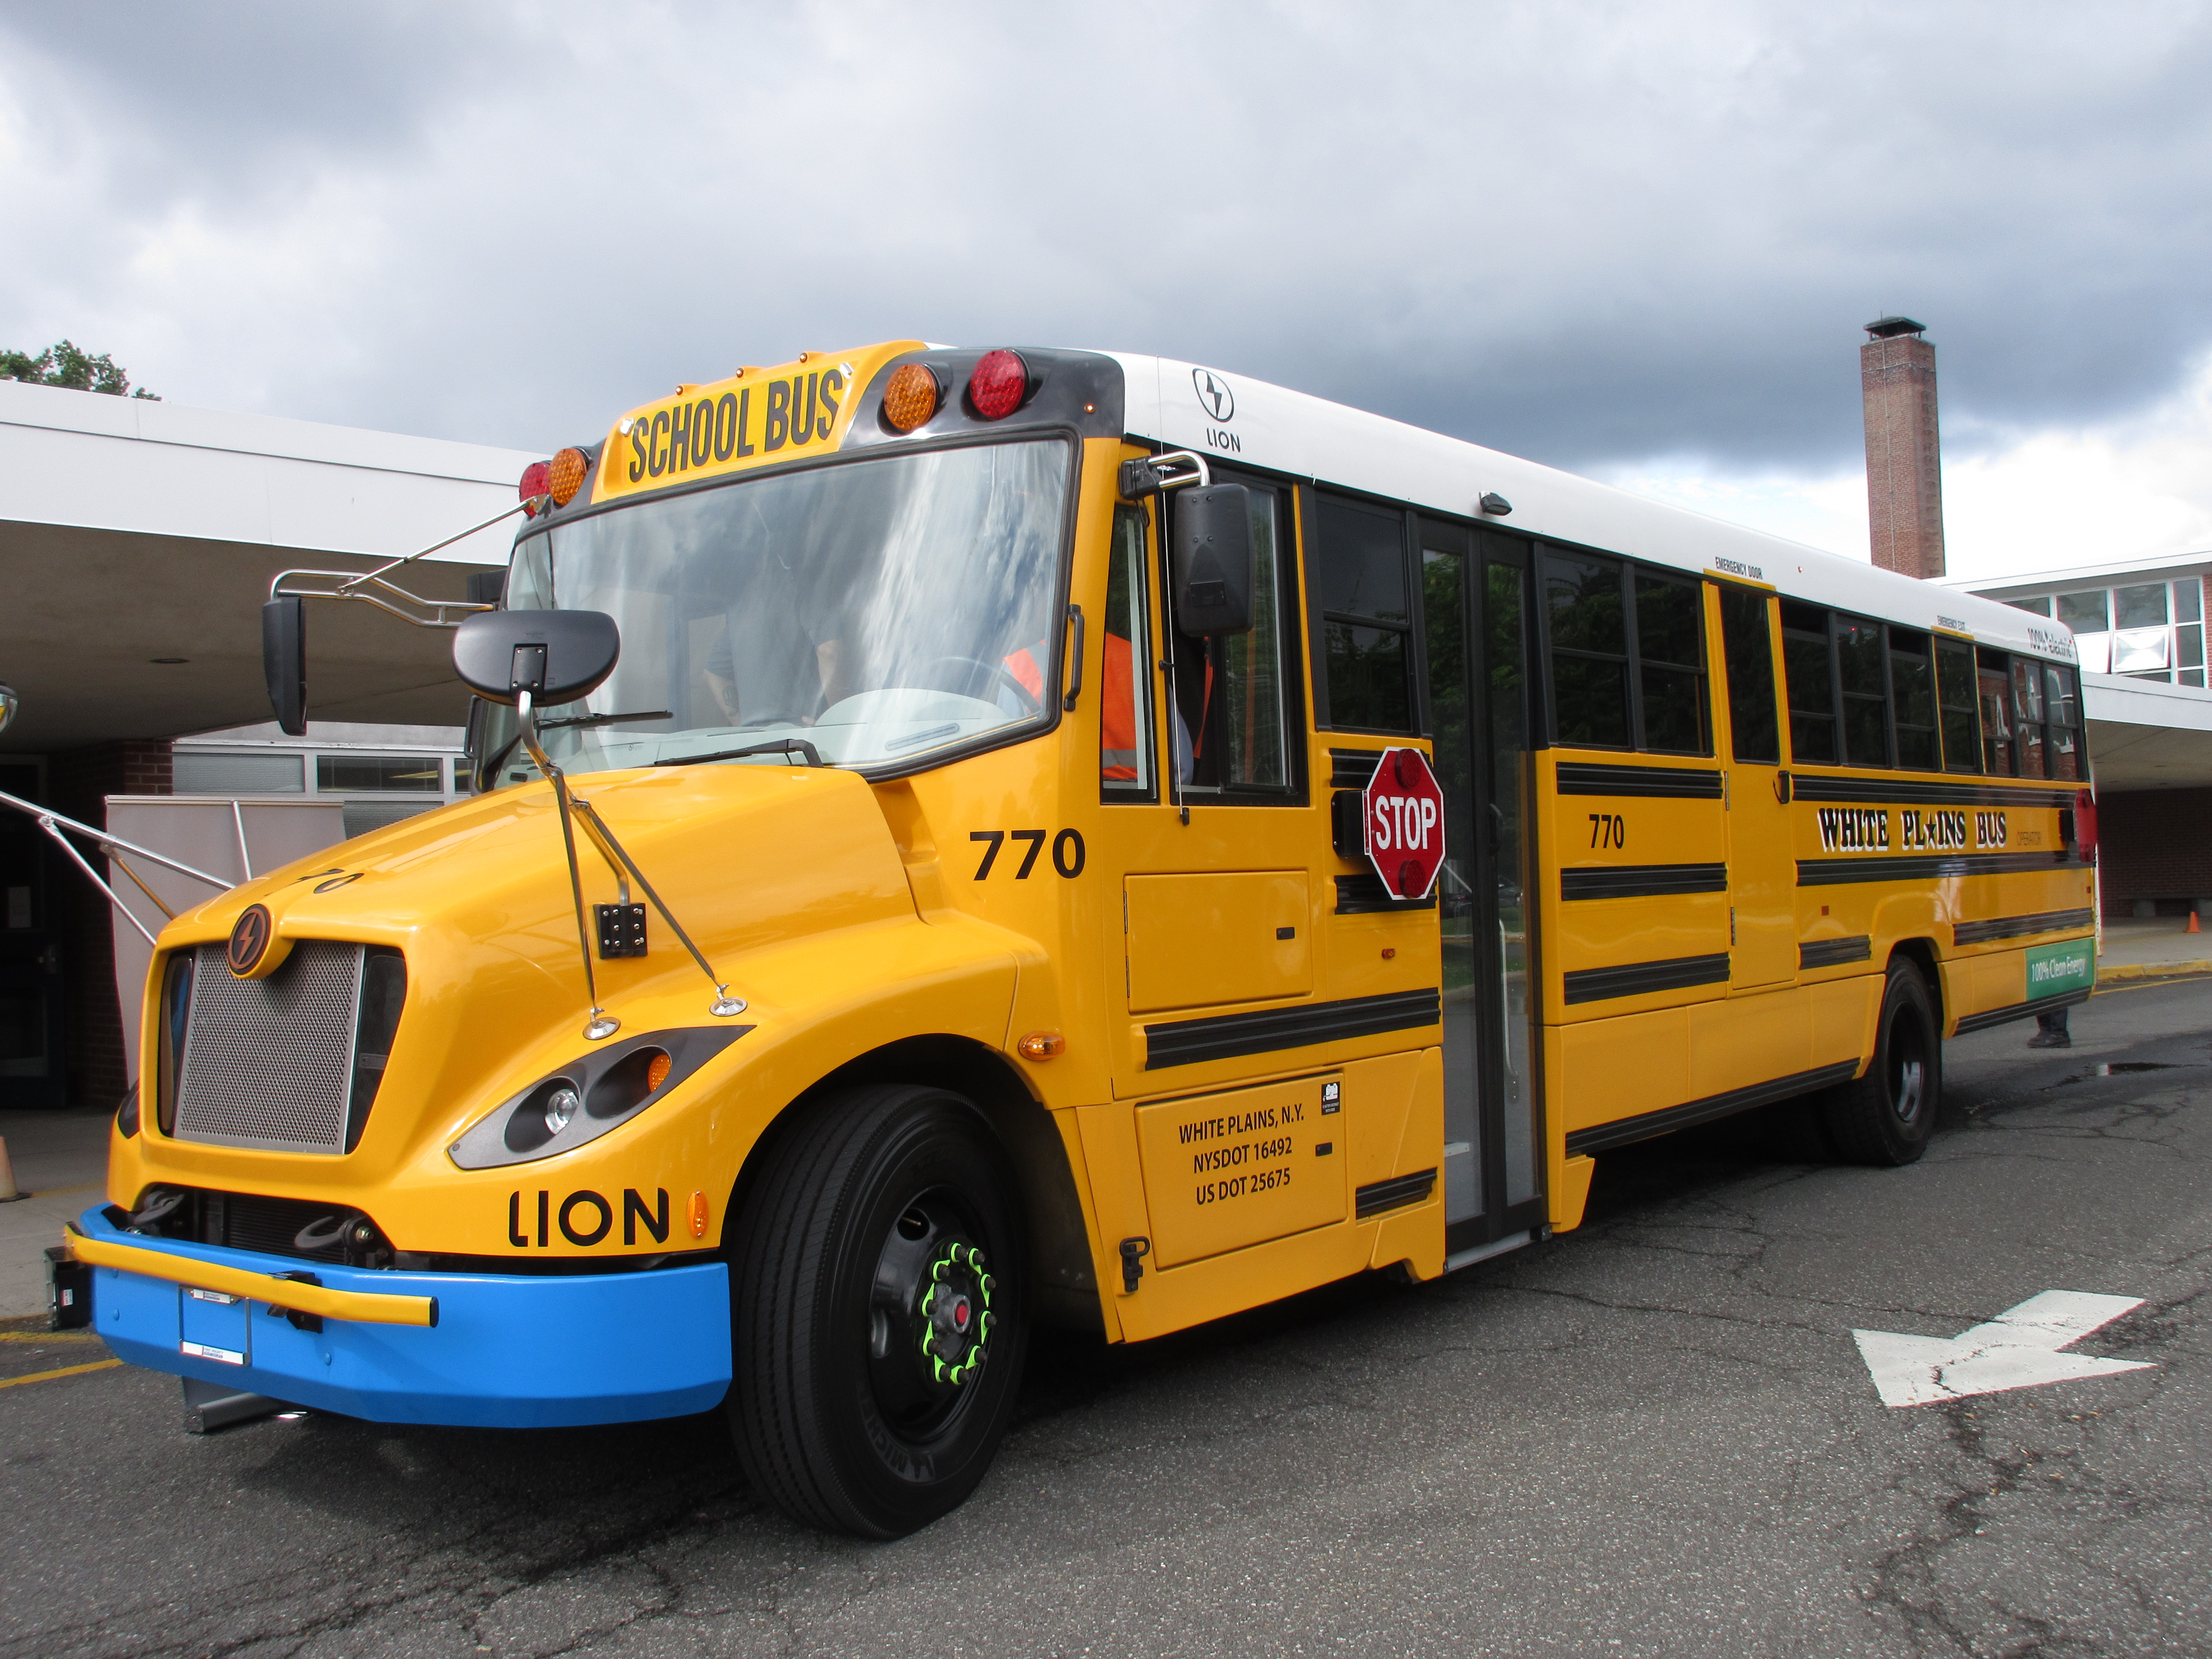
<point x="844" y="1312"/>
<point x="1885" y="1117"/>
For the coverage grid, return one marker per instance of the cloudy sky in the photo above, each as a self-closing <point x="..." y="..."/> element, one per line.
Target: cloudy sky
<point x="1633" y="239"/>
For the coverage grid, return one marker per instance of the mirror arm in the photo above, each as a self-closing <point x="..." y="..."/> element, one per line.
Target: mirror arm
<point x="724" y="1005"/>
<point x="1149" y="475"/>
<point x="441" y="613"/>
<point x="600" y="1024"/>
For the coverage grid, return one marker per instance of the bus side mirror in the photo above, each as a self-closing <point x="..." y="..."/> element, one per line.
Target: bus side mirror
<point x="1213" y="560"/>
<point x="284" y="663"/>
<point x="557" y="656"/>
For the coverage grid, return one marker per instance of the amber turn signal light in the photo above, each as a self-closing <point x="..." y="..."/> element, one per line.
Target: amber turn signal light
<point x="698" y="1215"/>
<point x="1040" y="1045"/>
<point x="566" y="475"/>
<point x="911" y="397"/>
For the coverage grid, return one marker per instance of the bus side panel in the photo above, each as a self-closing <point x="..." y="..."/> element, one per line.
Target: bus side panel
<point x="1844" y="1013"/>
<point x="1383" y="1149"/>
<point x="1611" y="1069"/>
<point x="1747" y="1040"/>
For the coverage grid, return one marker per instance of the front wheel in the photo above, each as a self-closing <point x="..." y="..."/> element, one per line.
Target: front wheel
<point x="1886" y="1117"/>
<point x="879" y="1317"/>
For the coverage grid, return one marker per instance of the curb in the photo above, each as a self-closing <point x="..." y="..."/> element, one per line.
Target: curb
<point x="2151" y="970"/>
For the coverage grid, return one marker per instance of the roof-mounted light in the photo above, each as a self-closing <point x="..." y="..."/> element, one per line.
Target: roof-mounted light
<point x="999" y="385"/>
<point x="566" y="475"/>
<point x="536" y="485"/>
<point x="911" y="397"/>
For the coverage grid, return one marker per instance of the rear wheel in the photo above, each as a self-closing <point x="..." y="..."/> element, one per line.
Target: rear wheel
<point x="1886" y="1117"/>
<point x="877" y="1312"/>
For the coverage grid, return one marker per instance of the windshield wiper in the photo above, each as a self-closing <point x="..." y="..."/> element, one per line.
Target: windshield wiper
<point x="606" y="719"/>
<point x="782" y="746"/>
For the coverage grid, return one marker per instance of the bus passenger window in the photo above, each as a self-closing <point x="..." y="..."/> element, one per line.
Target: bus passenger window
<point x="1866" y="701"/>
<point x="1997" y="715"/>
<point x="1229" y="694"/>
<point x="2062" y="709"/>
<point x="1125" y="712"/>
<point x="1954" y="697"/>
<point x="1809" y="672"/>
<point x="1753" y="733"/>
<point x="1670" y="663"/>
<point x="1589" y="656"/>
<point x="1912" y="699"/>
<point x="1356" y="580"/>
<point x="2027" y="716"/>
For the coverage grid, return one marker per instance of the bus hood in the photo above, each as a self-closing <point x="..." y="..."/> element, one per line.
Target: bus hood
<point x="752" y="860"/>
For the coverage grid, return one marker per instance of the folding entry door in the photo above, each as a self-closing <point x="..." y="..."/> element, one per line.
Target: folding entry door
<point x="1475" y="596"/>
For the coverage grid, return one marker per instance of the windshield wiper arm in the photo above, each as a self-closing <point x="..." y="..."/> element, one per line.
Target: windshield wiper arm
<point x="606" y="719"/>
<point x="782" y="746"/>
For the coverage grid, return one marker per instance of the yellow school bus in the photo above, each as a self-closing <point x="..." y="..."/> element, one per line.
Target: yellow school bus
<point x="931" y="876"/>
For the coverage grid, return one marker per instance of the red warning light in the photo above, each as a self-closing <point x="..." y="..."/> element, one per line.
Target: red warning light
<point x="999" y="383"/>
<point x="536" y="482"/>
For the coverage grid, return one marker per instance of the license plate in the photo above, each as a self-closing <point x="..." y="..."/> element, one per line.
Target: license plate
<point x="213" y="1325"/>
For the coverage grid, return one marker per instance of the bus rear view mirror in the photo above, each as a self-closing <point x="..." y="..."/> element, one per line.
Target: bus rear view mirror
<point x="1213" y="560"/>
<point x="557" y="656"/>
<point x="284" y="663"/>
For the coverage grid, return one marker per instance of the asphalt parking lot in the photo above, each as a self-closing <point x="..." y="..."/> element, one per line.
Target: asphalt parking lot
<point x="1653" y="1436"/>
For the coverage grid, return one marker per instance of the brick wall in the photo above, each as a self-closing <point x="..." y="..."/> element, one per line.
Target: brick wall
<point x="1905" y="475"/>
<point x="77" y="782"/>
<point x="2153" y="844"/>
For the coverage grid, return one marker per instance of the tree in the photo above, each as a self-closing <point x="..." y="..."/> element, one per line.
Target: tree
<point x="65" y="365"/>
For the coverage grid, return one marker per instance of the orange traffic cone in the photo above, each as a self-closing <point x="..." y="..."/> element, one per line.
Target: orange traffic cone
<point x="2192" y="927"/>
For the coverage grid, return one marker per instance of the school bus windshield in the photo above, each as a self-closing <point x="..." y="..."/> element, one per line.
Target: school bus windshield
<point x="878" y="610"/>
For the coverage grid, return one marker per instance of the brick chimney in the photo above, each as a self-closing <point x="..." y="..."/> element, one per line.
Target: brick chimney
<point x="1905" y="480"/>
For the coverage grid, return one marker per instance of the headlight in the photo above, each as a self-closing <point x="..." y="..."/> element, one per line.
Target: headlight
<point x="582" y="1101"/>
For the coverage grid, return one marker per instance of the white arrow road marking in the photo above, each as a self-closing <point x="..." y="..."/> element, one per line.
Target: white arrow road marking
<point x="2018" y="1349"/>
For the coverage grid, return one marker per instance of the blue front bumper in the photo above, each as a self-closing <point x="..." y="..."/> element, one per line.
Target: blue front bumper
<point x="508" y="1350"/>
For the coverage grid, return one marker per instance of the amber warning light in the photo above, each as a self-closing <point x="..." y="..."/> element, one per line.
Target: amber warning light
<point x="911" y="397"/>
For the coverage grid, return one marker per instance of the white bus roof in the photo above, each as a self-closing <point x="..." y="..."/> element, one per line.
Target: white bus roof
<point x="1236" y="420"/>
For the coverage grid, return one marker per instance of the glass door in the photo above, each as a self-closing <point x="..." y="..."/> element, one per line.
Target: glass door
<point x="1475" y="595"/>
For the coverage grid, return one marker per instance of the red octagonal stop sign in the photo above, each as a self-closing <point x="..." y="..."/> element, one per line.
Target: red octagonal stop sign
<point x="1405" y="820"/>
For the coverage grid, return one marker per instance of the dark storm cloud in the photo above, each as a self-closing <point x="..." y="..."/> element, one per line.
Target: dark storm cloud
<point x="1586" y="233"/>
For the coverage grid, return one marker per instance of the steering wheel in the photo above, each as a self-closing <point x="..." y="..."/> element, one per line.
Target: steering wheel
<point x="1031" y="703"/>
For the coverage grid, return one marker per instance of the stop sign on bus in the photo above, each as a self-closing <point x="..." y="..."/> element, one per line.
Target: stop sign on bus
<point x="1405" y="823"/>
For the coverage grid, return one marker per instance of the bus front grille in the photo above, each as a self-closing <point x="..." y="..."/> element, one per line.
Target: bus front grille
<point x="270" y="1062"/>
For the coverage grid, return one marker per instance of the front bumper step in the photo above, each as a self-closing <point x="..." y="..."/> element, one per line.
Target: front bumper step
<point x="394" y="1345"/>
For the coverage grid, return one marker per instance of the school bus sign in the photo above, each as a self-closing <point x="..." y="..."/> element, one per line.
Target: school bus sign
<point x="1405" y="819"/>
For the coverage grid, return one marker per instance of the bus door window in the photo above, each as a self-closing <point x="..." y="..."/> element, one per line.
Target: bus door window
<point x="1754" y="735"/>
<point x="1954" y="697"/>
<point x="1229" y="694"/>
<point x="1125" y="689"/>
<point x="1997" y="713"/>
<point x="1865" y="699"/>
<point x="1808" y="671"/>
<point x="1362" y="625"/>
<point x="1912" y="699"/>
<point x="2027" y="716"/>
<point x="1762" y="867"/>
<point x="1670" y="663"/>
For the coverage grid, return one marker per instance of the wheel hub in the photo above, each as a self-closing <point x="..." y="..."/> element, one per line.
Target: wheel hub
<point x="952" y="1314"/>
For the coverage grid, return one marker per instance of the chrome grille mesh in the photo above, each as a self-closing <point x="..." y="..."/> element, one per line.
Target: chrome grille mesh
<point x="269" y="1062"/>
